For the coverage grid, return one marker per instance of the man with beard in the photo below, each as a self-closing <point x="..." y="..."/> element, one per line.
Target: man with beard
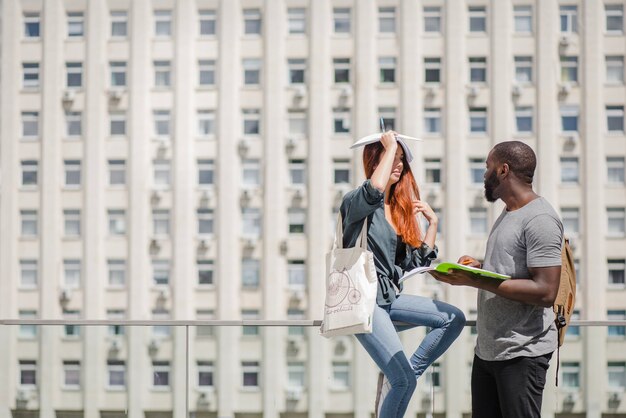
<point x="515" y="323"/>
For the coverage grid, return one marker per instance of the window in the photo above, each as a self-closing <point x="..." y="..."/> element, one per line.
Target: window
<point x="163" y="23"/>
<point x="28" y="274"/>
<point x="296" y="274"/>
<point x="433" y="377"/>
<point x="616" y="331"/>
<point x="297" y="69"/>
<point x="477" y="19"/>
<point x="32" y="25"/>
<point x="341" y="20"/>
<point x="616" y="272"/>
<point x="524" y="69"/>
<point x="119" y="24"/>
<point x="432" y="168"/>
<point x="117" y="172"/>
<point x="296" y="375"/>
<point x="206" y="123"/>
<point x="118" y="73"/>
<point x="386" y="19"/>
<point x="251" y="122"/>
<point x="569" y="119"/>
<point x="250" y="274"/>
<point x="29" y="223"/>
<point x="523" y="17"/>
<point x="30" y="125"/>
<point x="71" y="222"/>
<point x="71" y="274"/>
<point x="116" y="374"/>
<point x="28" y="373"/>
<point x="389" y="116"/>
<point x="251" y="173"/>
<point x="342" y="70"/>
<point x="341" y="120"/>
<point x="252" y="71"/>
<point x="616" y="224"/>
<point x="72" y="173"/>
<point x="29" y="172"/>
<point x="250" y="373"/>
<point x="206" y="70"/>
<point x="614" y="18"/>
<point x="296" y="20"/>
<point x="162" y="123"/>
<point x="478" y="69"/>
<point x="297" y="220"/>
<point x="524" y="120"/>
<point x="161" y="222"/>
<point x="297" y="124"/>
<point x="574" y="330"/>
<point x="341" y="375"/>
<point x="160" y="314"/>
<point x="208" y="22"/>
<point x="69" y="330"/>
<point x="112" y="315"/>
<point x="297" y="172"/>
<point x="161" y="173"/>
<point x="569" y="170"/>
<point x="478" y="221"/>
<point x="432" y="121"/>
<point x="117" y="123"/>
<point x="569" y="69"/>
<point x="615" y="170"/>
<point x="341" y="171"/>
<point x="205" y="330"/>
<point x="205" y="222"/>
<point x="206" y="172"/>
<point x="570" y="374"/>
<point x="117" y="273"/>
<point x="387" y="67"/>
<point x="616" y="372"/>
<point x="162" y="74"/>
<point x="570" y="221"/>
<point x="569" y="18"/>
<point x="117" y="221"/>
<point x="615" y="119"/>
<point x="27" y="331"/>
<point x="160" y="374"/>
<point x="477" y="170"/>
<point x="73" y="124"/>
<point x="432" y="19"/>
<point x="432" y="70"/>
<point x="251" y="222"/>
<point x="74" y="77"/>
<point x="250" y="330"/>
<point x="71" y="374"/>
<point x="160" y="272"/>
<point x="30" y="75"/>
<point x="478" y="120"/>
<point x="295" y="331"/>
<point x="75" y="24"/>
<point x="252" y="21"/>
<point x="205" y="272"/>
<point x="615" y="69"/>
<point x="205" y="374"/>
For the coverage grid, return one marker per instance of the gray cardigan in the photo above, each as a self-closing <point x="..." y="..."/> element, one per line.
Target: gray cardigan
<point x="392" y="256"/>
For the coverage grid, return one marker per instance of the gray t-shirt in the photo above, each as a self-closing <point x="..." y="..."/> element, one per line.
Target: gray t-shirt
<point x="531" y="236"/>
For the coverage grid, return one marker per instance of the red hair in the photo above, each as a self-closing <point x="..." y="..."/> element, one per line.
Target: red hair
<point x="400" y="197"/>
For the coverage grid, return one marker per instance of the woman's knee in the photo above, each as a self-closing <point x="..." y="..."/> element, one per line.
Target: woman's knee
<point x="456" y="318"/>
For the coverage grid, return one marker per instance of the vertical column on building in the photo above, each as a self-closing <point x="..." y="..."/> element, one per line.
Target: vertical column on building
<point x="318" y="211"/>
<point x="184" y="202"/>
<point x="50" y="200"/>
<point x="500" y="76"/>
<point x="228" y="219"/>
<point x="365" y="122"/>
<point x="9" y="170"/>
<point x="456" y="378"/>
<point x="137" y="364"/>
<point x="93" y="202"/>
<point x="593" y="244"/>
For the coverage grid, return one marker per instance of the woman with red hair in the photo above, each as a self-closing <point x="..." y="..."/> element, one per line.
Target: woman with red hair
<point x="389" y="202"/>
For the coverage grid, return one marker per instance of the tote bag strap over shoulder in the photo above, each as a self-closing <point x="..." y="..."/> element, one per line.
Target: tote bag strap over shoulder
<point x="361" y="241"/>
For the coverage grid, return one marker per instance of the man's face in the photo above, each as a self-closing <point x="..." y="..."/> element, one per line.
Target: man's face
<point x="491" y="180"/>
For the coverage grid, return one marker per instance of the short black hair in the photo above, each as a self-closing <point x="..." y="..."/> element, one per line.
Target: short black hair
<point x="520" y="158"/>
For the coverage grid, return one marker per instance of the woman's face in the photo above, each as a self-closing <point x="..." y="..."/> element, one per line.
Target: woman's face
<point x="398" y="166"/>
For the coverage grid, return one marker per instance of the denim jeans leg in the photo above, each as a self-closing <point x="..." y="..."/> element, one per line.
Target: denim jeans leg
<point x="384" y="347"/>
<point x="444" y="320"/>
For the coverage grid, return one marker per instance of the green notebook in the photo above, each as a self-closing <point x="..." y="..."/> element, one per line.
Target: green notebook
<point x="444" y="267"/>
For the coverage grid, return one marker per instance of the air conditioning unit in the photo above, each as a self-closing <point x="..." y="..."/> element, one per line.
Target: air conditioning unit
<point x="22" y="398"/>
<point x="115" y="95"/>
<point x="431" y="91"/>
<point x="564" y="41"/>
<point x="114" y="347"/>
<point x="155" y="246"/>
<point x="516" y="90"/>
<point x="249" y="243"/>
<point x="346" y="91"/>
<point x="64" y="297"/>
<point x="290" y="145"/>
<point x="293" y="347"/>
<point x="153" y="347"/>
<point x="203" y="245"/>
<point x="162" y="150"/>
<point x="571" y="139"/>
<point x="294" y="394"/>
<point x="155" y="197"/>
<point x="205" y="199"/>
<point x="245" y="198"/>
<point x="243" y="147"/>
<point x="298" y="195"/>
<point x="299" y="92"/>
<point x="565" y="88"/>
<point x="68" y="96"/>
<point x="296" y="295"/>
<point x="472" y="92"/>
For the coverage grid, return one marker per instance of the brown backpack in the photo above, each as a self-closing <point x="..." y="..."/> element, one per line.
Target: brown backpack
<point x="565" y="299"/>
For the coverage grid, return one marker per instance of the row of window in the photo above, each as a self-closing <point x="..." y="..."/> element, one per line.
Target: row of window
<point x="341" y="23"/>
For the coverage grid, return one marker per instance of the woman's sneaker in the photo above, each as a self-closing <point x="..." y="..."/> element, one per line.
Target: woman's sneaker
<point x="382" y="390"/>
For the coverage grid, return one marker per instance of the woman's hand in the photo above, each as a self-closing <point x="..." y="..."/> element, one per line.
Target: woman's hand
<point x="419" y="206"/>
<point x="389" y="141"/>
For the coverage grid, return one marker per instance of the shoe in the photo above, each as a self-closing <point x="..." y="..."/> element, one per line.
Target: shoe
<point x="382" y="390"/>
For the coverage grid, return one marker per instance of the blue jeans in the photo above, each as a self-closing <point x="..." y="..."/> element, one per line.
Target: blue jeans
<point x="445" y="322"/>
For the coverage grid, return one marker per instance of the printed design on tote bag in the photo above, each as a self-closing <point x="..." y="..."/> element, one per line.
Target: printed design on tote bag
<point x="341" y="285"/>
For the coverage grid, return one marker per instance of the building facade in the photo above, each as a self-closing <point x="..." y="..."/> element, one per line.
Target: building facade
<point x="164" y="159"/>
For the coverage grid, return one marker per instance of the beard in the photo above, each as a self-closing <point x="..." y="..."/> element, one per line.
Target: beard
<point x="491" y="183"/>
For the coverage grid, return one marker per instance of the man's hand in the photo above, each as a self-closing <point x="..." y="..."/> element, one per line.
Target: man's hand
<point x="466" y="260"/>
<point x="455" y="277"/>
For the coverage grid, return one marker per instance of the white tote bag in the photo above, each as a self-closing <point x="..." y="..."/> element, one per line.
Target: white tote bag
<point x="351" y="287"/>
